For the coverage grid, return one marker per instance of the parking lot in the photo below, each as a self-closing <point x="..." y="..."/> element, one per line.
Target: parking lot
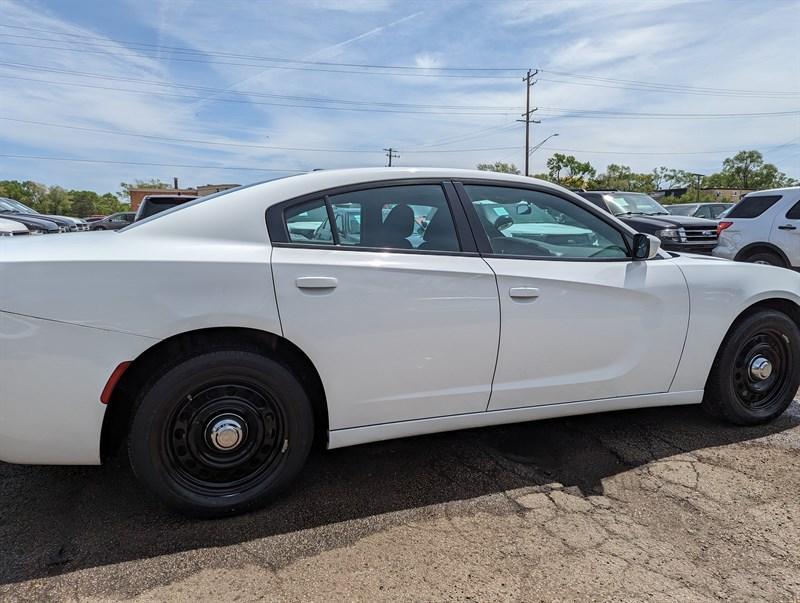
<point x="661" y="504"/>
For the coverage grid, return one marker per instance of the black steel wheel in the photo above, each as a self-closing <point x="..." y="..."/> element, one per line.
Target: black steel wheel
<point x="221" y="433"/>
<point x="755" y="375"/>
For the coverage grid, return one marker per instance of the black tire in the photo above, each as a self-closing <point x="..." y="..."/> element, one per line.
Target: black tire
<point x="735" y="390"/>
<point x="764" y="256"/>
<point x="176" y="452"/>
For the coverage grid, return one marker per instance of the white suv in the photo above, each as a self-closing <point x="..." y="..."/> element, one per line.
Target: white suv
<point x="763" y="228"/>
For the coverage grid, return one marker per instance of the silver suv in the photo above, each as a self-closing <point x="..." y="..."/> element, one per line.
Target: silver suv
<point x="763" y="228"/>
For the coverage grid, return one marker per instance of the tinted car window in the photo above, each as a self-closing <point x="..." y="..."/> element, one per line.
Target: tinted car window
<point x="308" y="223"/>
<point x="395" y="217"/>
<point x="752" y="207"/>
<point x="794" y="213"/>
<point x="521" y="222"/>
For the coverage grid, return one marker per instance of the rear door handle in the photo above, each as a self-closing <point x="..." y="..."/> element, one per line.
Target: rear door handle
<point x="316" y="282"/>
<point x="524" y="292"/>
<point x="787" y="227"/>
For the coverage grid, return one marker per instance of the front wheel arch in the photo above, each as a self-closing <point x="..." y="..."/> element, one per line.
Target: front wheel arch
<point x="162" y="356"/>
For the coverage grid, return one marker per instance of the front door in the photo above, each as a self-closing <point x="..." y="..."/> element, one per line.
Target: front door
<point x="399" y="320"/>
<point x="580" y="319"/>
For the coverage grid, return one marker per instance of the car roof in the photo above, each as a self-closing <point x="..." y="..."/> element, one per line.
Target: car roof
<point x="772" y="191"/>
<point x="214" y="216"/>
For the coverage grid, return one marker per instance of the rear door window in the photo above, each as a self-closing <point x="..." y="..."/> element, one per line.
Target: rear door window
<point x="753" y="206"/>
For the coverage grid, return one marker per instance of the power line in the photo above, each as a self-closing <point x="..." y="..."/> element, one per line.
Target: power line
<point x="252" y="102"/>
<point x="159" y="47"/>
<point x="415" y="151"/>
<point x="103" y="76"/>
<point x="260" y="66"/>
<point x="144" y="163"/>
<point x="445" y="109"/>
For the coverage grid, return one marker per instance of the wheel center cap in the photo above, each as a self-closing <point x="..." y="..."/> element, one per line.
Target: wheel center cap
<point x="760" y="368"/>
<point x="225" y="432"/>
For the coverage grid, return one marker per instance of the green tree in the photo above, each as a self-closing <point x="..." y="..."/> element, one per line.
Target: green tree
<point x="568" y="171"/>
<point x="498" y="166"/>
<point x="748" y="170"/>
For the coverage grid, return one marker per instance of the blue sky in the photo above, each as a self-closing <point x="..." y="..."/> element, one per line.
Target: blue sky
<point x="181" y="83"/>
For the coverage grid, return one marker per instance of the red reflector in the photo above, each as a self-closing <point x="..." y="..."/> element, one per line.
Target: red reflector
<point x="112" y="382"/>
<point x="722" y="226"/>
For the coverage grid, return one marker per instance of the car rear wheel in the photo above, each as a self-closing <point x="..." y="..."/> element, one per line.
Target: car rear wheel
<point x="768" y="258"/>
<point x="221" y="433"/>
<point x="754" y="376"/>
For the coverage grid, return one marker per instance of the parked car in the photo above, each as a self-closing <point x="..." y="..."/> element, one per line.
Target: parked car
<point x="67" y="223"/>
<point x="217" y="344"/>
<point x="643" y="213"/>
<point x="96" y="218"/>
<point x="153" y="204"/>
<point x="710" y="211"/>
<point x="35" y="223"/>
<point x="114" y="221"/>
<point x="12" y="228"/>
<point x="763" y="228"/>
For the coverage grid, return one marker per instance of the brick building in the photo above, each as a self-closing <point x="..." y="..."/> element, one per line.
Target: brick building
<point x="137" y="194"/>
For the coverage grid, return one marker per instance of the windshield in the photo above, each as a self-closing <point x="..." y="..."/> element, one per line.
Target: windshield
<point x="20" y="206"/>
<point x="682" y="210"/>
<point x="634" y="203"/>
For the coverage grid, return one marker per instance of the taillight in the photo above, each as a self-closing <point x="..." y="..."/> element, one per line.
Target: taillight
<point x="722" y="226"/>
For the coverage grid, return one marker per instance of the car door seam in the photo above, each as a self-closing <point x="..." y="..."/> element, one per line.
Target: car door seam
<point x="499" y="333"/>
<point x="275" y="289"/>
<point x="686" y="330"/>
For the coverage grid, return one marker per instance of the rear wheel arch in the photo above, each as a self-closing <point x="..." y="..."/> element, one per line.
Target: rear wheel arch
<point x="168" y="353"/>
<point x="753" y="248"/>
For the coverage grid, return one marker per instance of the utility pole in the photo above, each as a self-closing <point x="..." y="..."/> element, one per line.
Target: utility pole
<point x="390" y="153"/>
<point x="529" y="82"/>
<point x="697" y="189"/>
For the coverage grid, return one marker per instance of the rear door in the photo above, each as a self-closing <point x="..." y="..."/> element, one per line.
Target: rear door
<point x="398" y="311"/>
<point x="785" y="231"/>
<point x="580" y="319"/>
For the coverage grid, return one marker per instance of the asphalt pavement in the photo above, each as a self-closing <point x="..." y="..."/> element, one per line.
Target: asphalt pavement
<point x="660" y="504"/>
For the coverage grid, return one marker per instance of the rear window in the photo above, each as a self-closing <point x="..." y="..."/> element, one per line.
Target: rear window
<point x="752" y="207"/>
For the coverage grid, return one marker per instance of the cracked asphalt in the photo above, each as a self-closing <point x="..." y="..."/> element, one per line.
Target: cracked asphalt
<point x="661" y="504"/>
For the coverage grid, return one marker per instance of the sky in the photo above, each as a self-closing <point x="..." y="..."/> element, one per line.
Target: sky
<point x="246" y="90"/>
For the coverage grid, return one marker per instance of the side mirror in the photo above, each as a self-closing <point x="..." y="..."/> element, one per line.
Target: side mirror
<point x="645" y="246"/>
<point x="523" y="209"/>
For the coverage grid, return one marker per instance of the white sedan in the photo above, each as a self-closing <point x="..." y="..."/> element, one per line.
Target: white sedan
<point x="217" y="341"/>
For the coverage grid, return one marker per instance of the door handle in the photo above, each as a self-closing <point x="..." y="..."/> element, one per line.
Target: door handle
<point x="787" y="227"/>
<point x="316" y="282"/>
<point x="524" y="292"/>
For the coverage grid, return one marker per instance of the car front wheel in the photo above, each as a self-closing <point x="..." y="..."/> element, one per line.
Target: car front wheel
<point x="754" y="376"/>
<point x="221" y="433"/>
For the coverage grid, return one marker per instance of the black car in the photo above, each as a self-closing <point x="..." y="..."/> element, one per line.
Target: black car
<point x="64" y="223"/>
<point x="114" y="221"/>
<point x="154" y="204"/>
<point x="36" y="224"/>
<point x="645" y="214"/>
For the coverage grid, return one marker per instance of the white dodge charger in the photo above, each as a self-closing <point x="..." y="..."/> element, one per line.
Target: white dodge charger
<point x="219" y="339"/>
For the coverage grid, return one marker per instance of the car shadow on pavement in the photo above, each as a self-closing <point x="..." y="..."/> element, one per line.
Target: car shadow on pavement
<point x="55" y="520"/>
